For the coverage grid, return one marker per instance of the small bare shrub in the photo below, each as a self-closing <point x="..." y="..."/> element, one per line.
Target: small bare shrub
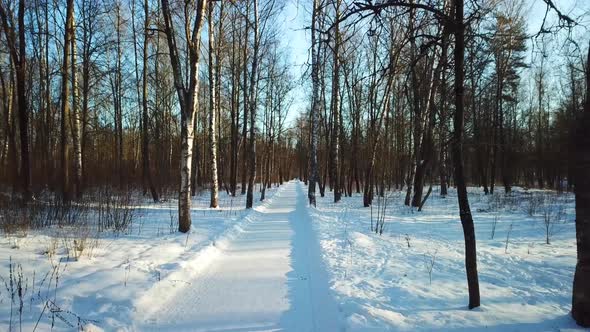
<point x="16" y="219"/>
<point x="508" y="239"/>
<point x="115" y="211"/>
<point x="494" y="224"/>
<point x="429" y="260"/>
<point x="16" y="289"/>
<point x="378" y="219"/>
<point x="502" y="202"/>
<point x="407" y="237"/>
<point x="173" y="220"/>
<point x="534" y="203"/>
<point x="553" y="214"/>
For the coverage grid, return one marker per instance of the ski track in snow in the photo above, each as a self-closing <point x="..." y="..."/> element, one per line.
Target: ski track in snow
<point x="267" y="277"/>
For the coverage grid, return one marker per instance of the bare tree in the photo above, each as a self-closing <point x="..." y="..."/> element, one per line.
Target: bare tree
<point x="147" y="174"/>
<point x="18" y="56"/>
<point x="335" y="148"/>
<point x="457" y="147"/>
<point x="76" y="118"/>
<point x="253" y="94"/>
<point x="65" y="107"/>
<point x="314" y="175"/>
<point x="213" y="103"/>
<point x="187" y="96"/>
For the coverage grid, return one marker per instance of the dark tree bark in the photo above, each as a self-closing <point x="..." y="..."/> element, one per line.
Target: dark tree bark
<point x="235" y="106"/>
<point x="457" y="146"/>
<point x="65" y="107"/>
<point x="252" y="105"/>
<point x="246" y="102"/>
<point x="145" y="138"/>
<point x="581" y="288"/>
<point x="335" y="148"/>
<point x="18" y="57"/>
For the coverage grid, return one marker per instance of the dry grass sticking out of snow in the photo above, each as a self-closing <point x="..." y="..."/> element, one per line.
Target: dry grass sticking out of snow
<point x="85" y="275"/>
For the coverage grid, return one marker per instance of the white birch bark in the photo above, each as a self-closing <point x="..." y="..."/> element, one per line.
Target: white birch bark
<point x="188" y="98"/>
<point x="76" y="133"/>
<point x="212" y="114"/>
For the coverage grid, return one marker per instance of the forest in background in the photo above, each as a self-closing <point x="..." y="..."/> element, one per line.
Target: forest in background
<point x="384" y="99"/>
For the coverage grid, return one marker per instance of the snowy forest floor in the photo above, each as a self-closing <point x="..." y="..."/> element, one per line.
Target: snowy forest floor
<point x="287" y="266"/>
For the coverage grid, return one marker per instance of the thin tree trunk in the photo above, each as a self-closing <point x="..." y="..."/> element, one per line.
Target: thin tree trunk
<point x="336" y="108"/>
<point x="235" y="97"/>
<point x="9" y="93"/>
<point x="118" y="99"/>
<point x="253" y="101"/>
<point x="464" y="210"/>
<point x="76" y="133"/>
<point x="145" y="143"/>
<point x="19" y="61"/>
<point x="212" y="114"/>
<point x="65" y="107"/>
<point x="314" y="116"/>
<point x="245" y="146"/>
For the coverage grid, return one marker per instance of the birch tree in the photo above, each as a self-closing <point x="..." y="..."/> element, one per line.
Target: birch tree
<point x="145" y="142"/>
<point x="76" y="118"/>
<point x="187" y="95"/>
<point x="314" y="119"/>
<point x="213" y="103"/>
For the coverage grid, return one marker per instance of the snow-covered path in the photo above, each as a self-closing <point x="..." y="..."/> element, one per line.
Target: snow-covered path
<point x="270" y="277"/>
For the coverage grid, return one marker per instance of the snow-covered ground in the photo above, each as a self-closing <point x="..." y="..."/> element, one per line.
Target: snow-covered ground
<point x="104" y="287"/>
<point x="286" y="266"/>
<point x="413" y="277"/>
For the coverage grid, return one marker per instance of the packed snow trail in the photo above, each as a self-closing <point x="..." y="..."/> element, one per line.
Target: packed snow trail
<point x="268" y="278"/>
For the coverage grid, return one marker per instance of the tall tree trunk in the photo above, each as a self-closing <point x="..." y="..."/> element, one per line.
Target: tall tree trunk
<point x="19" y="61"/>
<point x="87" y="36"/>
<point x="335" y="149"/>
<point x="196" y="159"/>
<point x="235" y="102"/>
<point x="483" y="148"/>
<point x="245" y="146"/>
<point x="212" y="113"/>
<point x="253" y="101"/>
<point x="8" y="94"/>
<point x="464" y="210"/>
<point x="118" y="99"/>
<point x="145" y="143"/>
<point x="76" y="133"/>
<point x="314" y="175"/>
<point x="416" y="114"/>
<point x="581" y="288"/>
<point x="188" y="97"/>
<point x="426" y="146"/>
<point x="65" y="107"/>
